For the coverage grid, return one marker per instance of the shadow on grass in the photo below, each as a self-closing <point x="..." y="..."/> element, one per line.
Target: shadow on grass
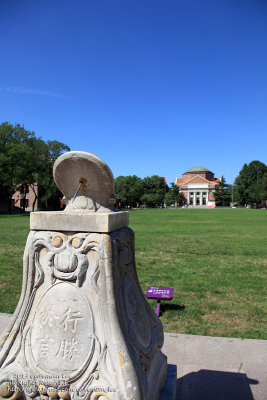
<point x="211" y="385"/>
<point x="170" y="306"/>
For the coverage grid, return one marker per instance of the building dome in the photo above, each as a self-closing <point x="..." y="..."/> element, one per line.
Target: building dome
<point x="198" y="169"/>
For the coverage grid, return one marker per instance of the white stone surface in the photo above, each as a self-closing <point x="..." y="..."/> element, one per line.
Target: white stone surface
<point x="75" y="222"/>
<point x="198" y="185"/>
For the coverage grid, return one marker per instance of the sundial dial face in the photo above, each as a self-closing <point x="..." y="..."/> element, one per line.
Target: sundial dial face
<point x="86" y="182"/>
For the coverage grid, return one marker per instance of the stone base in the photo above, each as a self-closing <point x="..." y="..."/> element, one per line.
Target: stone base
<point x="78" y="222"/>
<point x="168" y="392"/>
<point x="83" y="329"/>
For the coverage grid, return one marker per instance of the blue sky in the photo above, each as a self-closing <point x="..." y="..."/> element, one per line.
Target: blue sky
<point x="149" y="86"/>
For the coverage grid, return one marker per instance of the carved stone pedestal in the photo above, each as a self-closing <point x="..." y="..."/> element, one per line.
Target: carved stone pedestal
<point x="82" y="328"/>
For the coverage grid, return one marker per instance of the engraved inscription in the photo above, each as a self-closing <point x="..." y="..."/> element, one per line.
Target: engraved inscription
<point x="45" y="344"/>
<point x="68" y="349"/>
<point x="61" y="335"/>
<point x="69" y="320"/>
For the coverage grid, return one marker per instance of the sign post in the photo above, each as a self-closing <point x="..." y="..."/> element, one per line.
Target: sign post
<point x="159" y="293"/>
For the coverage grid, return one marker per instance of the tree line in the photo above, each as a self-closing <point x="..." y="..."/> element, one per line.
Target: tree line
<point x="26" y="160"/>
<point x="249" y="188"/>
<point x="152" y="191"/>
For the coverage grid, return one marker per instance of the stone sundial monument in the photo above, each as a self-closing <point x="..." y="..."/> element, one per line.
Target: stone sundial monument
<point x="82" y="329"/>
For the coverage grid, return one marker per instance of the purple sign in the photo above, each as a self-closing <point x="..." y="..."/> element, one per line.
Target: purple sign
<point x="159" y="293"/>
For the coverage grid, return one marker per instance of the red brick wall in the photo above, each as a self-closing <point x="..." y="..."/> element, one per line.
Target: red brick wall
<point x="206" y="175"/>
<point x="30" y="196"/>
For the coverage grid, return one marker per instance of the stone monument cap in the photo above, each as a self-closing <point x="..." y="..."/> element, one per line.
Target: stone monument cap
<point x="87" y="184"/>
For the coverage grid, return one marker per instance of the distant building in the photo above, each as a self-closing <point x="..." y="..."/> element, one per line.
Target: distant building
<point x="19" y="198"/>
<point x="197" y="186"/>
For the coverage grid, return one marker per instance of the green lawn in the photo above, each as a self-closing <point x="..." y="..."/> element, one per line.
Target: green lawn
<point x="214" y="259"/>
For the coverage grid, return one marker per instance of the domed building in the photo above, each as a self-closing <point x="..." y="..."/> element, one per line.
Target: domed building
<point x="197" y="186"/>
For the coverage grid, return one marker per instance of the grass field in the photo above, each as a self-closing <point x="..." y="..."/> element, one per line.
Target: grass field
<point x="214" y="259"/>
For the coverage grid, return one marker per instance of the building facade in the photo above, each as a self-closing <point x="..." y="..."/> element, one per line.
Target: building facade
<point x="197" y="186"/>
<point x="20" y="198"/>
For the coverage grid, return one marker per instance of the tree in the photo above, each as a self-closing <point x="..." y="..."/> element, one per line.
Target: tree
<point x="129" y="190"/>
<point x="222" y="193"/>
<point x="24" y="160"/>
<point x="264" y="189"/>
<point x="155" y="190"/>
<point x="174" y="195"/>
<point x="16" y="159"/>
<point x="250" y="184"/>
<point x="48" y="193"/>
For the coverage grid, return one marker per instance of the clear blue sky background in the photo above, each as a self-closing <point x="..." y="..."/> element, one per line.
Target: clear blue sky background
<point x="149" y="86"/>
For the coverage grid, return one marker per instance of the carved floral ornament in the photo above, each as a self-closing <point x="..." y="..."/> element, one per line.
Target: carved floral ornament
<point x="66" y="258"/>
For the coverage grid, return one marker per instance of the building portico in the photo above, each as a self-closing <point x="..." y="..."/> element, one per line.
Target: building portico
<point x="197" y="186"/>
<point x="197" y="198"/>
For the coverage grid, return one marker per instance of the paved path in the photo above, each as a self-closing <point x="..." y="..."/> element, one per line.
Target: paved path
<point x="212" y="368"/>
<point x="215" y="368"/>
